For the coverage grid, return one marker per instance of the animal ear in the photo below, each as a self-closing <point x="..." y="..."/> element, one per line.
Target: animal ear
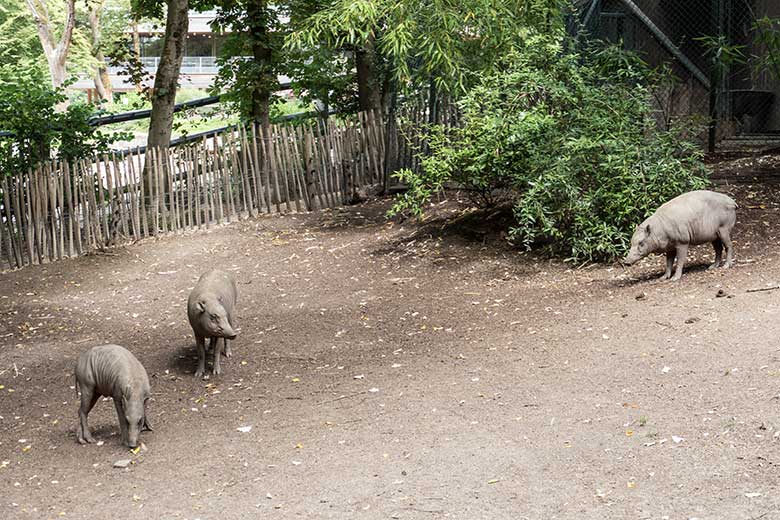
<point x="201" y="306"/>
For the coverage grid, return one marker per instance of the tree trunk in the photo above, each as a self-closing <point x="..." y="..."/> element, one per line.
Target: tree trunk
<point x="102" y="79"/>
<point x="167" y="77"/>
<point x="56" y="51"/>
<point x="137" y="52"/>
<point x="369" y="94"/>
<point x="262" y="52"/>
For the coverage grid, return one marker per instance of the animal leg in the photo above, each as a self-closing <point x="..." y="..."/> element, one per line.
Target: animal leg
<point x="227" y="352"/>
<point x="120" y="412"/>
<point x="682" y="255"/>
<point x="669" y="263"/>
<point x="147" y="424"/>
<point x="201" y="342"/>
<point x="88" y="400"/>
<point x="718" y="245"/>
<point x="724" y="234"/>
<point x="216" y="345"/>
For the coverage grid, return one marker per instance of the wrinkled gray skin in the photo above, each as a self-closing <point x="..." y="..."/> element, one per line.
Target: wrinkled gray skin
<point x="210" y="310"/>
<point x="693" y="218"/>
<point x="112" y="371"/>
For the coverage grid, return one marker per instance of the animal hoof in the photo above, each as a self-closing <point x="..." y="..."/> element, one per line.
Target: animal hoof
<point x="227" y="353"/>
<point x="199" y="373"/>
<point x="217" y="371"/>
<point x="713" y="266"/>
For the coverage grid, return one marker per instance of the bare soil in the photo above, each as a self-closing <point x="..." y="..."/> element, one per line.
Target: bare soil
<point x="397" y="370"/>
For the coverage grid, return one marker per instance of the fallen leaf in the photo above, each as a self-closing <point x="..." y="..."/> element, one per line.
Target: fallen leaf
<point x="244" y="429"/>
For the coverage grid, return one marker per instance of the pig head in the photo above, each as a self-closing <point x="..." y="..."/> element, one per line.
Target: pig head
<point x="209" y="318"/>
<point x="134" y="408"/>
<point x="647" y="239"/>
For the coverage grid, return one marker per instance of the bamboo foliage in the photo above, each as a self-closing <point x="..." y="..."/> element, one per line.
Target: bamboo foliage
<point x="60" y="210"/>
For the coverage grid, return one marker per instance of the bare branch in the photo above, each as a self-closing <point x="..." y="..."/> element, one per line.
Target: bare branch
<point x="67" y="34"/>
<point x="42" y="23"/>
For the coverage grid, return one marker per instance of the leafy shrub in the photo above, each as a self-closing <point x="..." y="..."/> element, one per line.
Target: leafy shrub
<point x="39" y="131"/>
<point x="571" y="141"/>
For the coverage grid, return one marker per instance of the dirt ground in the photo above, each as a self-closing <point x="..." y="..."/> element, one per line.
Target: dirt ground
<point x="391" y="370"/>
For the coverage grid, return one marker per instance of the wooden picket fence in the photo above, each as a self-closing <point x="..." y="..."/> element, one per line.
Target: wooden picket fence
<point x="61" y="210"/>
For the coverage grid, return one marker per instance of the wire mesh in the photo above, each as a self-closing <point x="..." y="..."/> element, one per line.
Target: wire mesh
<point x="724" y="55"/>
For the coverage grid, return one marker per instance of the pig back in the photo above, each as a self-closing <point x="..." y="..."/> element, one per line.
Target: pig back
<point x="216" y="283"/>
<point x="109" y="369"/>
<point x="695" y="217"/>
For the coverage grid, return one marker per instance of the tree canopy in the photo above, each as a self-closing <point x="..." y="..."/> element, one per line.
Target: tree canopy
<point x="417" y="41"/>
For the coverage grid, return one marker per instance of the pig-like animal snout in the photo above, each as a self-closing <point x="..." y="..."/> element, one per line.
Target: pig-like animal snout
<point x="630" y="259"/>
<point x="222" y="327"/>
<point x="227" y="332"/>
<point x="132" y="438"/>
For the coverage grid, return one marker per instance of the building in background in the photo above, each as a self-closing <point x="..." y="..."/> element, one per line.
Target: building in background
<point x="198" y="67"/>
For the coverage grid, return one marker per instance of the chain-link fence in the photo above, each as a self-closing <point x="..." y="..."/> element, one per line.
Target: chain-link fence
<point x="724" y="54"/>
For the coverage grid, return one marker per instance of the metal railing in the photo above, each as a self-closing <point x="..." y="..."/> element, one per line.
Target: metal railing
<point x="134" y="115"/>
<point x="189" y="65"/>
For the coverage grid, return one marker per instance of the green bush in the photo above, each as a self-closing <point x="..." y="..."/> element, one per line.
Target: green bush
<point x="571" y="141"/>
<point x="39" y="131"/>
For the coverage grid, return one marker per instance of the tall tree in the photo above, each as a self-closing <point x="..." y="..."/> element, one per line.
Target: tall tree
<point x="321" y="72"/>
<point x="136" y="51"/>
<point x="256" y="29"/>
<point x="56" y="50"/>
<point x="166" y="80"/>
<point x="368" y="80"/>
<point x="419" y="43"/>
<point x="101" y="77"/>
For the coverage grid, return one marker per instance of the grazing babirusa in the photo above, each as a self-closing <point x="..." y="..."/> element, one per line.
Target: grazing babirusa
<point x="210" y="310"/>
<point x="112" y="371"/>
<point x="693" y="218"/>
